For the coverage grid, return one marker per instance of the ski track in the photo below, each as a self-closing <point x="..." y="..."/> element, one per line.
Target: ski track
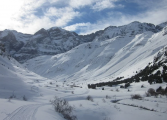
<point x="26" y="112"/>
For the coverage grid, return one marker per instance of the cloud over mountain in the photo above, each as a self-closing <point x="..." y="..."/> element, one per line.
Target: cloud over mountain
<point x="81" y="16"/>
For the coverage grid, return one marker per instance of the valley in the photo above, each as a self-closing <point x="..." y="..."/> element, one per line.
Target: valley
<point x="66" y="68"/>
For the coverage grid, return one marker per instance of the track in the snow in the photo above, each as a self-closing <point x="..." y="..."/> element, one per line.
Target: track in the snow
<point x="26" y="112"/>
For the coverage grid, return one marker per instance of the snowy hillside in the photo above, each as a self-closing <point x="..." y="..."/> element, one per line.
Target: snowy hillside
<point x="114" y="52"/>
<point x="57" y="40"/>
<point x="12" y="82"/>
<point x="16" y="81"/>
<point x="110" y="103"/>
<point x="118" y="56"/>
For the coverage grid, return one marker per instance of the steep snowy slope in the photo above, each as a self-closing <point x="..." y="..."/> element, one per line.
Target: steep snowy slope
<point x="16" y="81"/>
<point x="9" y="79"/>
<point x="121" y="55"/>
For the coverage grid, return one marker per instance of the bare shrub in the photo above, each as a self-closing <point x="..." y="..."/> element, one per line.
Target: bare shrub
<point x="121" y="86"/>
<point x="160" y="90"/>
<point x="62" y="106"/>
<point x="24" y="98"/>
<point x="151" y="92"/>
<point x="136" y="96"/>
<point x="89" y="98"/>
<point x="142" y="86"/>
<point x="103" y="100"/>
<point x="106" y="118"/>
<point x="12" y="96"/>
<point x="147" y="94"/>
<point x="108" y="97"/>
<point x="117" y="90"/>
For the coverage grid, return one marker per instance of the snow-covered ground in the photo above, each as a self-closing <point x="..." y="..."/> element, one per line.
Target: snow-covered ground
<point x="101" y="60"/>
<point x="17" y="81"/>
<point x="26" y="90"/>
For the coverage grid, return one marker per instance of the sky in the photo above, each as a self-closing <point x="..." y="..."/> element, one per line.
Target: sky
<point x="80" y="16"/>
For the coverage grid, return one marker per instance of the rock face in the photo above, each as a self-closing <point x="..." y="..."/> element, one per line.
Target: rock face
<point x="13" y="40"/>
<point x="56" y="40"/>
<point x="47" y="42"/>
<point x="106" y="57"/>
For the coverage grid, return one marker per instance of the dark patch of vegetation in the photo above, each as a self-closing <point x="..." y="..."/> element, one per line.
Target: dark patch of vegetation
<point x="150" y="92"/>
<point x="24" y="98"/>
<point x="89" y="98"/>
<point x="62" y="106"/>
<point x="143" y="75"/>
<point x="142" y="86"/>
<point x="111" y="83"/>
<point x="138" y="106"/>
<point x="136" y="96"/>
<point x="159" y="91"/>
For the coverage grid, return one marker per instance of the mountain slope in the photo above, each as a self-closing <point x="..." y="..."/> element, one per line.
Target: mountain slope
<point x="99" y="60"/>
<point x="118" y="56"/>
<point x="52" y="41"/>
<point x="13" y="40"/>
<point x="56" y="40"/>
<point x="16" y="81"/>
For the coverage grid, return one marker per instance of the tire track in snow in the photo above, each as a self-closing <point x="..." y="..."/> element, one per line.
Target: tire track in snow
<point x="26" y="112"/>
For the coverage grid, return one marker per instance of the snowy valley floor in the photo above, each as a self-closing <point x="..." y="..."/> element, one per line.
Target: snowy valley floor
<point x="17" y="83"/>
<point x="101" y="108"/>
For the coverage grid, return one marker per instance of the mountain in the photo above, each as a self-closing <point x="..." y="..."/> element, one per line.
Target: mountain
<point x="57" y="40"/>
<point x="47" y="42"/>
<point x="105" y="57"/>
<point x="17" y="82"/>
<point x="13" y="40"/>
<point x="116" y="53"/>
<point x="154" y="72"/>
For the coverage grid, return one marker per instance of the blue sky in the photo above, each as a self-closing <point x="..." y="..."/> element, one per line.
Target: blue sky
<point x="81" y="16"/>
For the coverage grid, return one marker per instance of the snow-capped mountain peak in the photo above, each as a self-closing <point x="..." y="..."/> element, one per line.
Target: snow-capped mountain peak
<point x="57" y="40"/>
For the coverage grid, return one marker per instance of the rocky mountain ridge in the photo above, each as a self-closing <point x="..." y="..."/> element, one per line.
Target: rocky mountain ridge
<point x="57" y="40"/>
<point x="102" y="59"/>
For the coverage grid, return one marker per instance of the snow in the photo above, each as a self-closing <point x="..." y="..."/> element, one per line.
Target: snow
<point x="26" y="90"/>
<point x="39" y="91"/>
<point x="4" y="33"/>
<point x="19" y="36"/>
<point x="94" y="61"/>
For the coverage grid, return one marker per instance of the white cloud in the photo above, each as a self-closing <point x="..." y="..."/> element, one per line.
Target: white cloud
<point x="11" y="13"/>
<point x="81" y="3"/>
<point x="97" y="5"/>
<point x="100" y="5"/>
<point x="62" y="15"/>
<point x="77" y="26"/>
<point x="22" y="15"/>
<point x="155" y="16"/>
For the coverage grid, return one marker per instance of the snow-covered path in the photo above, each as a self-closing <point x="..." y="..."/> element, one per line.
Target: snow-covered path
<point x="26" y="112"/>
